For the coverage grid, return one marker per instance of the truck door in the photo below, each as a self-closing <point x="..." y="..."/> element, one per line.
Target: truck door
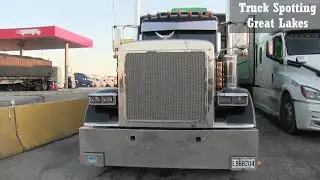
<point x="260" y="92"/>
<point x="268" y="65"/>
<point x="270" y="55"/>
<point x="277" y="64"/>
<point x="276" y="59"/>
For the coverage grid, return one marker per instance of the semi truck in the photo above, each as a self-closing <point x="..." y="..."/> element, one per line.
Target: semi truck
<point x="177" y="103"/>
<point x="24" y="73"/>
<point x="282" y="71"/>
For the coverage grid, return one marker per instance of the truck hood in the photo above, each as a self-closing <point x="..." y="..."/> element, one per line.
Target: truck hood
<point x="304" y="77"/>
<point x="311" y="60"/>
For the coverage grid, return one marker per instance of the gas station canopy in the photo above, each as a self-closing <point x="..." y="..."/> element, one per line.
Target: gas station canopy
<point x="40" y="38"/>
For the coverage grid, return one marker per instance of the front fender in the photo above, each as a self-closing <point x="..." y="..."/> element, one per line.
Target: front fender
<point x="291" y="86"/>
<point x="285" y="88"/>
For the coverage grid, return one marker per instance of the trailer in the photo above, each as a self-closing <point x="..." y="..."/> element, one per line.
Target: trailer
<point x="282" y="72"/>
<point x="177" y="104"/>
<point x="24" y="73"/>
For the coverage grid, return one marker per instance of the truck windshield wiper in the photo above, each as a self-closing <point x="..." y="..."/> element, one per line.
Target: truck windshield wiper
<point x="294" y="63"/>
<point x="298" y="64"/>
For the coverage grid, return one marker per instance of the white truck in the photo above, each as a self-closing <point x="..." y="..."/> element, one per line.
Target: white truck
<point x="282" y="71"/>
<point x="177" y="104"/>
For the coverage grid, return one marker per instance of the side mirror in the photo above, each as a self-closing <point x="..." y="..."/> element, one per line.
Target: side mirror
<point x="241" y="43"/>
<point x="241" y="39"/>
<point x="245" y="40"/>
<point x="243" y="52"/>
<point x="116" y="39"/>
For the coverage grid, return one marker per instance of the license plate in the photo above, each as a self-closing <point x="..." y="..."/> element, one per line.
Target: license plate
<point x="239" y="163"/>
<point x="92" y="159"/>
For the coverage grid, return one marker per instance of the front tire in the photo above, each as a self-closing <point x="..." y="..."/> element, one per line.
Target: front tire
<point x="288" y="115"/>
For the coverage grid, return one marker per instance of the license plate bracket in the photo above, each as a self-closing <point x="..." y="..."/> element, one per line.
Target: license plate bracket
<point x="243" y="163"/>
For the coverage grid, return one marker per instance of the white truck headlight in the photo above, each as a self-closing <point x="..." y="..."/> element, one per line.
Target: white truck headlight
<point x="310" y="93"/>
<point x="102" y="100"/>
<point x="232" y="99"/>
<point x="95" y="99"/>
<point x="107" y="99"/>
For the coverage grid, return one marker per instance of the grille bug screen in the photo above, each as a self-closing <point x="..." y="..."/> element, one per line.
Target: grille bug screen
<point x="167" y="86"/>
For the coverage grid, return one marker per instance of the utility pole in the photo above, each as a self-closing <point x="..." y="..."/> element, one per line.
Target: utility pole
<point x="137" y="13"/>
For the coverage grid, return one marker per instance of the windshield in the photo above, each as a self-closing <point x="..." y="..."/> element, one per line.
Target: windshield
<point x="89" y="77"/>
<point x="302" y="43"/>
<point x="208" y="35"/>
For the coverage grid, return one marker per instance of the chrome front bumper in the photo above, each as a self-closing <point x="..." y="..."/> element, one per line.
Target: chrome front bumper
<point x="186" y="149"/>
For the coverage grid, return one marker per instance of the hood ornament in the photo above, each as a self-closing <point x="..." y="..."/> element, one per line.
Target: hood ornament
<point x="165" y="37"/>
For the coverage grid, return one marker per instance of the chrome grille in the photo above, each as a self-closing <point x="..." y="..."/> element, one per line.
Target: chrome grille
<point x="165" y="86"/>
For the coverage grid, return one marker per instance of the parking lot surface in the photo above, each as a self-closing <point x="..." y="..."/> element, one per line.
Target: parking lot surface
<point x="284" y="157"/>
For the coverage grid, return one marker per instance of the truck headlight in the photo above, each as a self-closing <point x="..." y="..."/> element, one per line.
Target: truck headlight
<point x="95" y="99"/>
<point x="310" y="93"/>
<point x="232" y="99"/>
<point x="107" y="99"/>
<point x="102" y="100"/>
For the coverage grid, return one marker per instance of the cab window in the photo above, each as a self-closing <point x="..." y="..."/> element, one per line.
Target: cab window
<point x="274" y="49"/>
<point x="278" y="47"/>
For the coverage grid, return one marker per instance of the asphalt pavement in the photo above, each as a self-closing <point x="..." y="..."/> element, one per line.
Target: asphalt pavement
<point x="284" y="157"/>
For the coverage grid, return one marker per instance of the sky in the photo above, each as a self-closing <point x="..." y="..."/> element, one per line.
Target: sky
<point x="93" y="19"/>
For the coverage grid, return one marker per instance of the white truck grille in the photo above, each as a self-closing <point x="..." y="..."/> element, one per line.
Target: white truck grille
<point x="165" y="86"/>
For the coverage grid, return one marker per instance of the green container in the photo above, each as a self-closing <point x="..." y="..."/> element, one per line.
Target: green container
<point x="18" y="71"/>
<point x="193" y="9"/>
